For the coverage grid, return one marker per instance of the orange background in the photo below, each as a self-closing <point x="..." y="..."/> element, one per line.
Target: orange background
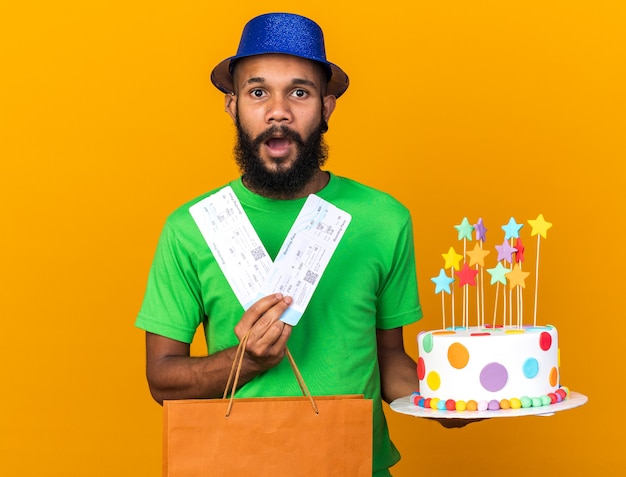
<point x="460" y="109"/>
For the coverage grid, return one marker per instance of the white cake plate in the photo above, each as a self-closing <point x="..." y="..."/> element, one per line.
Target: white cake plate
<point x="405" y="406"/>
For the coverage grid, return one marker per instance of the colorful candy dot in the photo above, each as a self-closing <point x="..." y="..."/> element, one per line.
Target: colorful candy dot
<point x="505" y="404"/>
<point x="536" y="402"/>
<point x="531" y="368"/>
<point x="483" y="405"/>
<point x="561" y="392"/>
<point x="458" y="356"/>
<point x="450" y="405"/>
<point x="493" y="405"/>
<point x="471" y="405"/>
<point x="553" y="398"/>
<point x="554" y="377"/>
<point x="427" y="343"/>
<point x="526" y="401"/>
<point x="545" y="400"/>
<point x="433" y="380"/>
<point x="493" y="377"/>
<point x="461" y="406"/>
<point x="515" y="403"/>
<point x="441" y="405"/>
<point x="426" y="403"/>
<point x="421" y="369"/>
<point x="545" y="341"/>
<point x="433" y="403"/>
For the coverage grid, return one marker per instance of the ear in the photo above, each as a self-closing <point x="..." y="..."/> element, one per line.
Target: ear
<point x="329" y="102"/>
<point x="230" y="106"/>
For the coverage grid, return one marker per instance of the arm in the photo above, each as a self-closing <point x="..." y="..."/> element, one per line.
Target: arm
<point x="398" y="371"/>
<point x="173" y="374"/>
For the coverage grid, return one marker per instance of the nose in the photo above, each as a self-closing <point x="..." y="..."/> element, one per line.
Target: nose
<point x="278" y="110"/>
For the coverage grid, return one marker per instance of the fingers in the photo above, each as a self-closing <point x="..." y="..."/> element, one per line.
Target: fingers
<point x="453" y="423"/>
<point x="268" y="320"/>
<point x="268" y="335"/>
<point x="263" y="313"/>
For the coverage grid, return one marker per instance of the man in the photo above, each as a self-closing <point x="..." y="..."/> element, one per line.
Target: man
<point x="281" y="92"/>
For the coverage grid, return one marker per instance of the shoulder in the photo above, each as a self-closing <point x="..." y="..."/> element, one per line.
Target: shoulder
<point x="181" y="215"/>
<point x="363" y="199"/>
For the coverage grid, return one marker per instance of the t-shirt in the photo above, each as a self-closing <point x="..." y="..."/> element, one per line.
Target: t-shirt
<point x="369" y="283"/>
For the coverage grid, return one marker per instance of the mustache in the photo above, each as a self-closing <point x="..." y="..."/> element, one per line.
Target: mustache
<point x="282" y="131"/>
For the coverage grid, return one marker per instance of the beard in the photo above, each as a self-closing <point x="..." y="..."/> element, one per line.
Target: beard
<point x="311" y="155"/>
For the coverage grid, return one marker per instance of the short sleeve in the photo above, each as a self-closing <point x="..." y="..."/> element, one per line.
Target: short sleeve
<point x="172" y="305"/>
<point x="398" y="301"/>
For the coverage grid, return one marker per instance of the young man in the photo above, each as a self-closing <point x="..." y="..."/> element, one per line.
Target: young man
<point x="280" y="93"/>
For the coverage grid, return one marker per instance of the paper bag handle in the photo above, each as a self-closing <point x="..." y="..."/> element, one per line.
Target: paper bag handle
<point x="235" y="370"/>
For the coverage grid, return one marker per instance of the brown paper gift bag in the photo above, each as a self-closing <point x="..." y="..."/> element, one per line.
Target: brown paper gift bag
<point x="274" y="437"/>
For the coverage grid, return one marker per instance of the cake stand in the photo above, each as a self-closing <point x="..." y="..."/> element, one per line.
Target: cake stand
<point x="405" y="406"/>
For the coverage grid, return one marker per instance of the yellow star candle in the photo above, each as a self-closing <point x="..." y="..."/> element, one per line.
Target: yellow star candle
<point x="452" y="259"/>
<point x="539" y="228"/>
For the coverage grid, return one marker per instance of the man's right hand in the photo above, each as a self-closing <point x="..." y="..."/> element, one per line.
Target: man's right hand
<point x="268" y="335"/>
<point x="174" y="374"/>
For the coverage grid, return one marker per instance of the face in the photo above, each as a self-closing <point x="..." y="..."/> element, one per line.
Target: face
<point x="281" y="115"/>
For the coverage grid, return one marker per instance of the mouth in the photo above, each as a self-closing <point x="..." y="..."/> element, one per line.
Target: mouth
<point x="278" y="146"/>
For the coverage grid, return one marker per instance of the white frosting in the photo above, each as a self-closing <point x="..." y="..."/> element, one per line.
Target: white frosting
<point x="464" y="364"/>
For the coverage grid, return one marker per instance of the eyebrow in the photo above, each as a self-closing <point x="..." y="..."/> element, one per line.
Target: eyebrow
<point x="294" y="81"/>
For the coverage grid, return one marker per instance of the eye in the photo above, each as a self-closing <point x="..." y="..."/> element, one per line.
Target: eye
<point x="300" y="93"/>
<point x="257" y="93"/>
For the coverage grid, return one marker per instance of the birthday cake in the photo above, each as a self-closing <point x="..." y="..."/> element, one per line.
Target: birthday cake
<point x="503" y="364"/>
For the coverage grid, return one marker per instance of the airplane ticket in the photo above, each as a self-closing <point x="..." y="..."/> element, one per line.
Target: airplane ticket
<point x="300" y="263"/>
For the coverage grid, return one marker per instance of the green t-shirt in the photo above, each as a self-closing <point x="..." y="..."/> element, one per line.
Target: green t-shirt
<point x="369" y="283"/>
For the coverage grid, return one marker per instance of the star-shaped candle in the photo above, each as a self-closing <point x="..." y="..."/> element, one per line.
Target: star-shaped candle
<point x="539" y="226"/>
<point x="540" y="229"/>
<point x="442" y="282"/>
<point x="511" y="230"/>
<point x="452" y="259"/>
<point x="505" y="251"/>
<point x="464" y="229"/>
<point x="477" y="256"/>
<point x="517" y="276"/>
<point x="498" y="273"/>
<point x="467" y="275"/>
<point x="481" y="231"/>
<point x="519" y="250"/>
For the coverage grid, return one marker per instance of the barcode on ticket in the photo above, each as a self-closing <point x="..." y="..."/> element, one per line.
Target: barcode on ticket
<point x="258" y="253"/>
<point x="310" y="277"/>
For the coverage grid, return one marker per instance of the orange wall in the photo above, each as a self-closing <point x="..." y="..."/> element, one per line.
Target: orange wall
<point x="481" y="109"/>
